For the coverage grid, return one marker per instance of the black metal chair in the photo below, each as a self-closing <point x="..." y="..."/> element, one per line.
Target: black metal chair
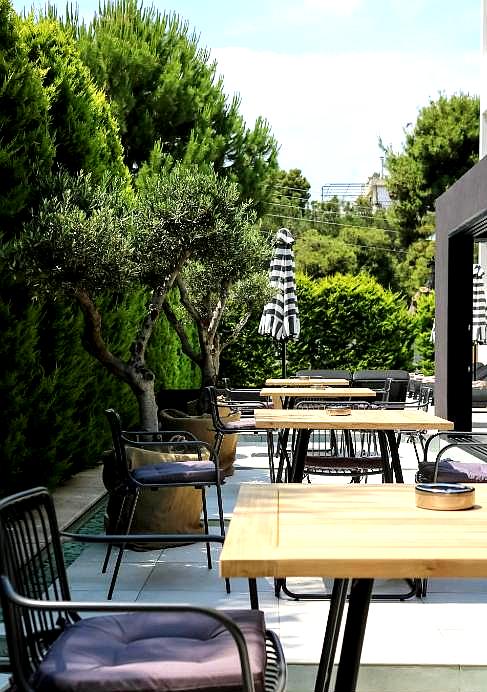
<point x="129" y="646"/>
<point x="353" y="454"/>
<point x="246" y="425"/>
<point x="190" y="469"/>
<point x="356" y="454"/>
<point x="377" y="379"/>
<point x="450" y="457"/>
<point x="420" y="403"/>
<point x="461" y="457"/>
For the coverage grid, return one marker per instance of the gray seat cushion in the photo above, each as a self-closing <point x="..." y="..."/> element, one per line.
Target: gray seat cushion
<point x="147" y="652"/>
<point x="450" y="471"/>
<point x="177" y="472"/>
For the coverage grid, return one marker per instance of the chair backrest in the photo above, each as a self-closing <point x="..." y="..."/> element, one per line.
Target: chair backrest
<point x="31" y="559"/>
<point x="424" y="397"/>
<point x="376" y="379"/>
<point x="117" y="472"/>
<point x="120" y="473"/>
<point x="211" y="396"/>
<point x="340" y="452"/>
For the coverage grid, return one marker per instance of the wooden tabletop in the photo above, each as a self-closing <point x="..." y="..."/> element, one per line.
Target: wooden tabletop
<point x="306" y="382"/>
<point x="363" y="419"/>
<point x="278" y="394"/>
<point x="347" y="531"/>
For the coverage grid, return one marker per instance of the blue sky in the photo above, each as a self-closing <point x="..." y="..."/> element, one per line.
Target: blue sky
<point x="332" y="76"/>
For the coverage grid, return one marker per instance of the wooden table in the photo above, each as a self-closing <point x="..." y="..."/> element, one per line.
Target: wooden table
<point x="280" y="394"/>
<point x="358" y="532"/>
<point x="306" y="382"/>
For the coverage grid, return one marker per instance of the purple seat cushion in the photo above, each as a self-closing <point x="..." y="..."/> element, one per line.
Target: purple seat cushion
<point x="242" y="425"/>
<point x="450" y="471"/>
<point x="147" y="652"/>
<point x="177" y="472"/>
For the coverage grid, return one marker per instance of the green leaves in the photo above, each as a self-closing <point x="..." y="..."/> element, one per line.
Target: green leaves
<point x="442" y="146"/>
<point x="81" y="238"/>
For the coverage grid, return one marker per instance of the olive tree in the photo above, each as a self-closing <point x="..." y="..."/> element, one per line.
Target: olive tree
<point x="89" y="239"/>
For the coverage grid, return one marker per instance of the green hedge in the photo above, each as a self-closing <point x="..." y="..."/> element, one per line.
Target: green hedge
<point x="54" y="393"/>
<point x="348" y="322"/>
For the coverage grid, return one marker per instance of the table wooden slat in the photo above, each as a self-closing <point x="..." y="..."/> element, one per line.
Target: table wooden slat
<point x="277" y="394"/>
<point x="306" y="382"/>
<point x="362" y="531"/>
<point x="373" y="419"/>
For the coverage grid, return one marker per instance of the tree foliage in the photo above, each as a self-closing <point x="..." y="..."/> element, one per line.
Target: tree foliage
<point x="89" y="239"/>
<point x="441" y="147"/>
<point x="347" y="322"/>
<point x="81" y="124"/>
<point x="164" y="91"/>
<point x="26" y="147"/>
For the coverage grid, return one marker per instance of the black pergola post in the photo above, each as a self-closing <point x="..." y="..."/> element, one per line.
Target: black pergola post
<point x="461" y="219"/>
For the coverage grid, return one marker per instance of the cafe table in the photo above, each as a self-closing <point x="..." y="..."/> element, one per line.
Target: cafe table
<point x="387" y="421"/>
<point x="354" y="534"/>
<point x="280" y="395"/>
<point x="306" y="382"/>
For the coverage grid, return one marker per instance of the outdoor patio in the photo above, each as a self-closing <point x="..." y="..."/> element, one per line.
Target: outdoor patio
<point x="433" y="644"/>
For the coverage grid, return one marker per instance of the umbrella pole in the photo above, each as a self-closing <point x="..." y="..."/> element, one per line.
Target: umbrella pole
<point x="283" y="356"/>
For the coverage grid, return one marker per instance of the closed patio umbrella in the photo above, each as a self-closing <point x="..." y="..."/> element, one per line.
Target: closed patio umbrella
<point x="280" y="317"/>
<point x="479" y="314"/>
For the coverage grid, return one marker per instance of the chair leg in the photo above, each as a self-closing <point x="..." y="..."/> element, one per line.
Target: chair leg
<point x="205" y="520"/>
<point x="222" y="525"/>
<point x="117" y="529"/>
<point x="122" y="547"/>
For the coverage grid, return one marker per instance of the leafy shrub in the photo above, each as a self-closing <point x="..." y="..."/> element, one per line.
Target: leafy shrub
<point x="26" y="147"/>
<point x="348" y="322"/>
<point x="423" y="324"/>
<point x="54" y="393"/>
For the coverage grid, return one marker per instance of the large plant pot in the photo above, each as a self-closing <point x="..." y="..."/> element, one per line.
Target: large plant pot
<point x="202" y="429"/>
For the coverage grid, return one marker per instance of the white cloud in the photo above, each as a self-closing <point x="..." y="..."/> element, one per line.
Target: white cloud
<point x="328" y="111"/>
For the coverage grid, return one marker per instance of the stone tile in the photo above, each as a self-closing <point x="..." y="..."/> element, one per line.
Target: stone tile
<point x="473" y="679"/>
<point x="408" y="679"/>
<point x="87" y="576"/>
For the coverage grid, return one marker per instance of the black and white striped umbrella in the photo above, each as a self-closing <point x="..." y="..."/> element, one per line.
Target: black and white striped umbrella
<point x="479" y="316"/>
<point x="280" y="317"/>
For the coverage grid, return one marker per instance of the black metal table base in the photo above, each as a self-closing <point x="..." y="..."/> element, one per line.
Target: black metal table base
<point x="353" y="636"/>
<point x="416" y="589"/>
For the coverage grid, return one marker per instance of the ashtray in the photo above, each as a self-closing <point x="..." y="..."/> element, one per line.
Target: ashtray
<point x="444" y="496"/>
<point x="339" y="410"/>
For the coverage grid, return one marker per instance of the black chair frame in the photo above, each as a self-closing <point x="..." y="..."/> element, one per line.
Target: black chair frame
<point x="221" y="429"/>
<point x="346" y="444"/>
<point x="128" y="488"/>
<point x="36" y="601"/>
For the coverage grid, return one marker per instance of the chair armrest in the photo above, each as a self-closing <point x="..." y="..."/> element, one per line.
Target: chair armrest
<point x="455" y="438"/>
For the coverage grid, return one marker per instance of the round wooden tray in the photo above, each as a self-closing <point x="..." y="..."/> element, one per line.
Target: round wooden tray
<point x="444" y="496"/>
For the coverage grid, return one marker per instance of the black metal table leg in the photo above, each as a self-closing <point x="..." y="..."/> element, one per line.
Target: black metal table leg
<point x="394" y="451"/>
<point x="353" y="636"/>
<point x="335" y="615"/>
<point x="299" y="456"/>
<point x="254" y="596"/>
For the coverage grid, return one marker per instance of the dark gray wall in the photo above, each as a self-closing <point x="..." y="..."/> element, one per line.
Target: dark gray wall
<point x="461" y="214"/>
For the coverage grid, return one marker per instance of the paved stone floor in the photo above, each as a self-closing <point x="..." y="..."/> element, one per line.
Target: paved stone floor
<point x="437" y="643"/>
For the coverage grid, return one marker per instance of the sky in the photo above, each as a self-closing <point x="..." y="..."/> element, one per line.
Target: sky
<point x="332" y="77"/>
